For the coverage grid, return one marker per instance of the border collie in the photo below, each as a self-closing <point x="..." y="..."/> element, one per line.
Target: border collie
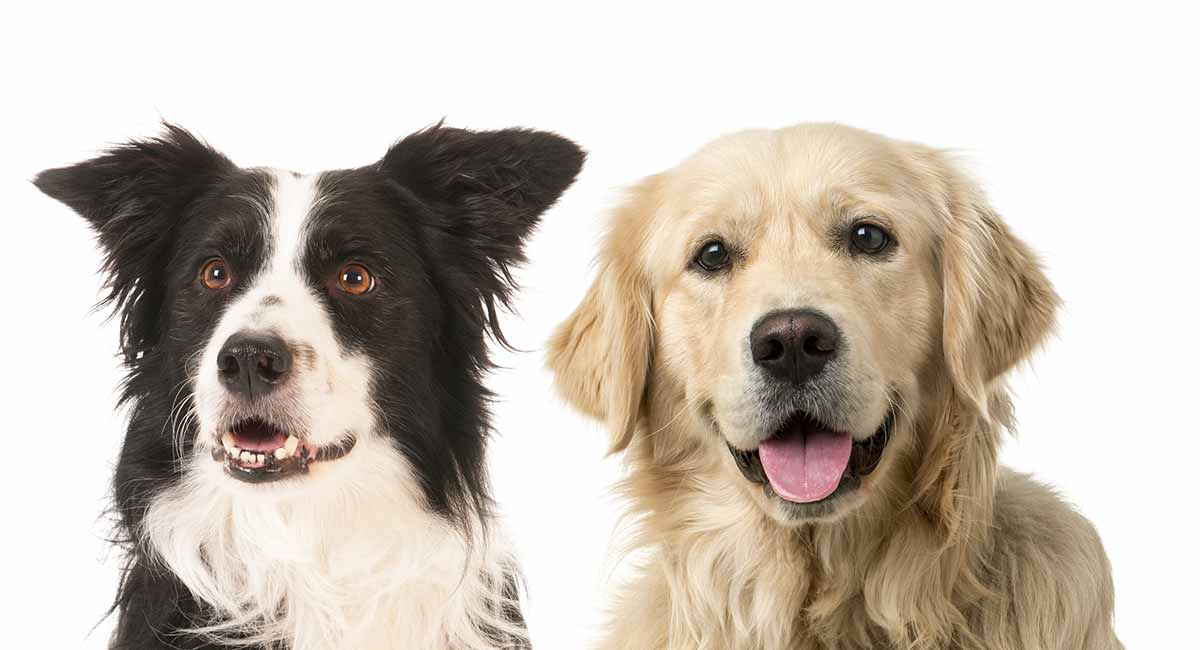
<point x="304" y="464"/>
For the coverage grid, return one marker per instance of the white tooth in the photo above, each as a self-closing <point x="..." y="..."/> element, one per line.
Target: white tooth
<point x="227" y="442"/>
<point x="234" y="452"/>
<point x="261" y="459"/>
<point x="281" y="454"/>
<point x="246" y="457"/>
<point x="291" y="444"/>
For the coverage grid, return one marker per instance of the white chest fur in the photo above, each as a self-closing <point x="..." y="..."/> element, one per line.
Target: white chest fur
<point x="353" y="561"/>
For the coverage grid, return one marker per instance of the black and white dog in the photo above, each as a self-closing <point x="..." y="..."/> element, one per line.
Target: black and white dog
<point x="304" y="465"/>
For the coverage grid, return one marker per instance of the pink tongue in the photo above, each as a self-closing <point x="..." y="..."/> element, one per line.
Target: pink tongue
<point x="805" y="465"/>
<point x="259" y="443"/>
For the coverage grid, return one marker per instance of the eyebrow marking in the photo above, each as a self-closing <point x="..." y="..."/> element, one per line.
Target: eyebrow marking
<point x="271" y="301"/>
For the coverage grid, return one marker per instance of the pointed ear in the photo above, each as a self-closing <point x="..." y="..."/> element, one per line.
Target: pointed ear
<point x="132" y="196"/>
<point x="998" y="305"/>
<point x="142" y="179"/>
<point x="601" y="354"/>
<point x="488" y="189"/>
<point x="490" y="186"/>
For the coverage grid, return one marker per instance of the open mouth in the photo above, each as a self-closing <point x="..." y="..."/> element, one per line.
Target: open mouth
<point x="807" y="462"/>
<point x="256" y="451"/>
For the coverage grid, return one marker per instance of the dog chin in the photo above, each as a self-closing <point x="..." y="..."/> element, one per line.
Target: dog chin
<point x="794" y="515"/>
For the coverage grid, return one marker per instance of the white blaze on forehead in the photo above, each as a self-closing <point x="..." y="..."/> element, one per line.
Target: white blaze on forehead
<point x="293" y="199"/>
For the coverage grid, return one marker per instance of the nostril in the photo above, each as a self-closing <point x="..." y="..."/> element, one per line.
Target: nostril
<point x="772" y="350"/>
<point x="227" y="364"/>
<point x="271" y="367"/>
<point x="818" y="346"/>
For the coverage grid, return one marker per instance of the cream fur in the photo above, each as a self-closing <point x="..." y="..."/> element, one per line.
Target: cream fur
<point x="941" y="547"/>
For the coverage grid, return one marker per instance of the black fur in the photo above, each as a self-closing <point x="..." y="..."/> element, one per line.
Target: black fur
<point x="441" y="218"/>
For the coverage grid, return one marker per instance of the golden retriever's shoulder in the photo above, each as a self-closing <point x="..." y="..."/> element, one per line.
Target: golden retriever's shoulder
<point x="1052" y="564"/>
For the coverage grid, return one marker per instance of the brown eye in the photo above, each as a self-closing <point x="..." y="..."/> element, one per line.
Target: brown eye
<point x="355" y="279"/>
<point x="869" y="239"/>
<point x="712" y="256"/>
<point x="215" y="274"/>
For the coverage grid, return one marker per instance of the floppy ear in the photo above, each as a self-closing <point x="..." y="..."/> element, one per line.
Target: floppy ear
<point x="489" y="189"/>
<point x="997" y="308"/>
<point x="998" y="305"/>
<point x="132" y="196"/>
<point x="600" y="355"/>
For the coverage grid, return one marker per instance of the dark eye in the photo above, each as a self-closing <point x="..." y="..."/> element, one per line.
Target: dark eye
<point x="869" y="239"/>
<point x="215" y="274"/>
<point x="355" y="279"/>
<point x="712" y="256"/>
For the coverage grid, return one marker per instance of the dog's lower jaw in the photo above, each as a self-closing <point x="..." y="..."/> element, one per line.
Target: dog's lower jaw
<point x="353" y="564"/>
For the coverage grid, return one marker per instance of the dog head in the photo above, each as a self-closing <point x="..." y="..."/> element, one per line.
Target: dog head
<point x="795" y="305"/>
<point x="283" y="329"/>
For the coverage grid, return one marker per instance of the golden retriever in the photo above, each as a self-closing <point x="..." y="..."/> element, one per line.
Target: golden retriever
<point x="798" y="339"/>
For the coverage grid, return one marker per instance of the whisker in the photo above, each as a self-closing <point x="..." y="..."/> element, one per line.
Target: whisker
<point x="683" y="409"/>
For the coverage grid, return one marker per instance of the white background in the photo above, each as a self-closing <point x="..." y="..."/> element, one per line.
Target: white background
<point x="1081" y="121"/>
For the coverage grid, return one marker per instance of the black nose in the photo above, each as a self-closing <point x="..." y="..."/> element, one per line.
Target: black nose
<point x="794" y="345"/>
<point x="251" y="364"/>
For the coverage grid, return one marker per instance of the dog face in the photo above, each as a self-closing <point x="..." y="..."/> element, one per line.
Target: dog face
<point x="286" y="331"/>
<point x="791" y="301"/>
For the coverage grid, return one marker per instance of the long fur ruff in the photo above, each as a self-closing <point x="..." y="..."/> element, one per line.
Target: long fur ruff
<point x="296" y="570"/>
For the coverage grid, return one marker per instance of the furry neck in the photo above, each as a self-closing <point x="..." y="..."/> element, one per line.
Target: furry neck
<point x="358" y="563"/>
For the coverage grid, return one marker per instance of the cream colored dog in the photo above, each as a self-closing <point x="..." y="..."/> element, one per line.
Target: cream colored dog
<point x="798" y="339"/>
